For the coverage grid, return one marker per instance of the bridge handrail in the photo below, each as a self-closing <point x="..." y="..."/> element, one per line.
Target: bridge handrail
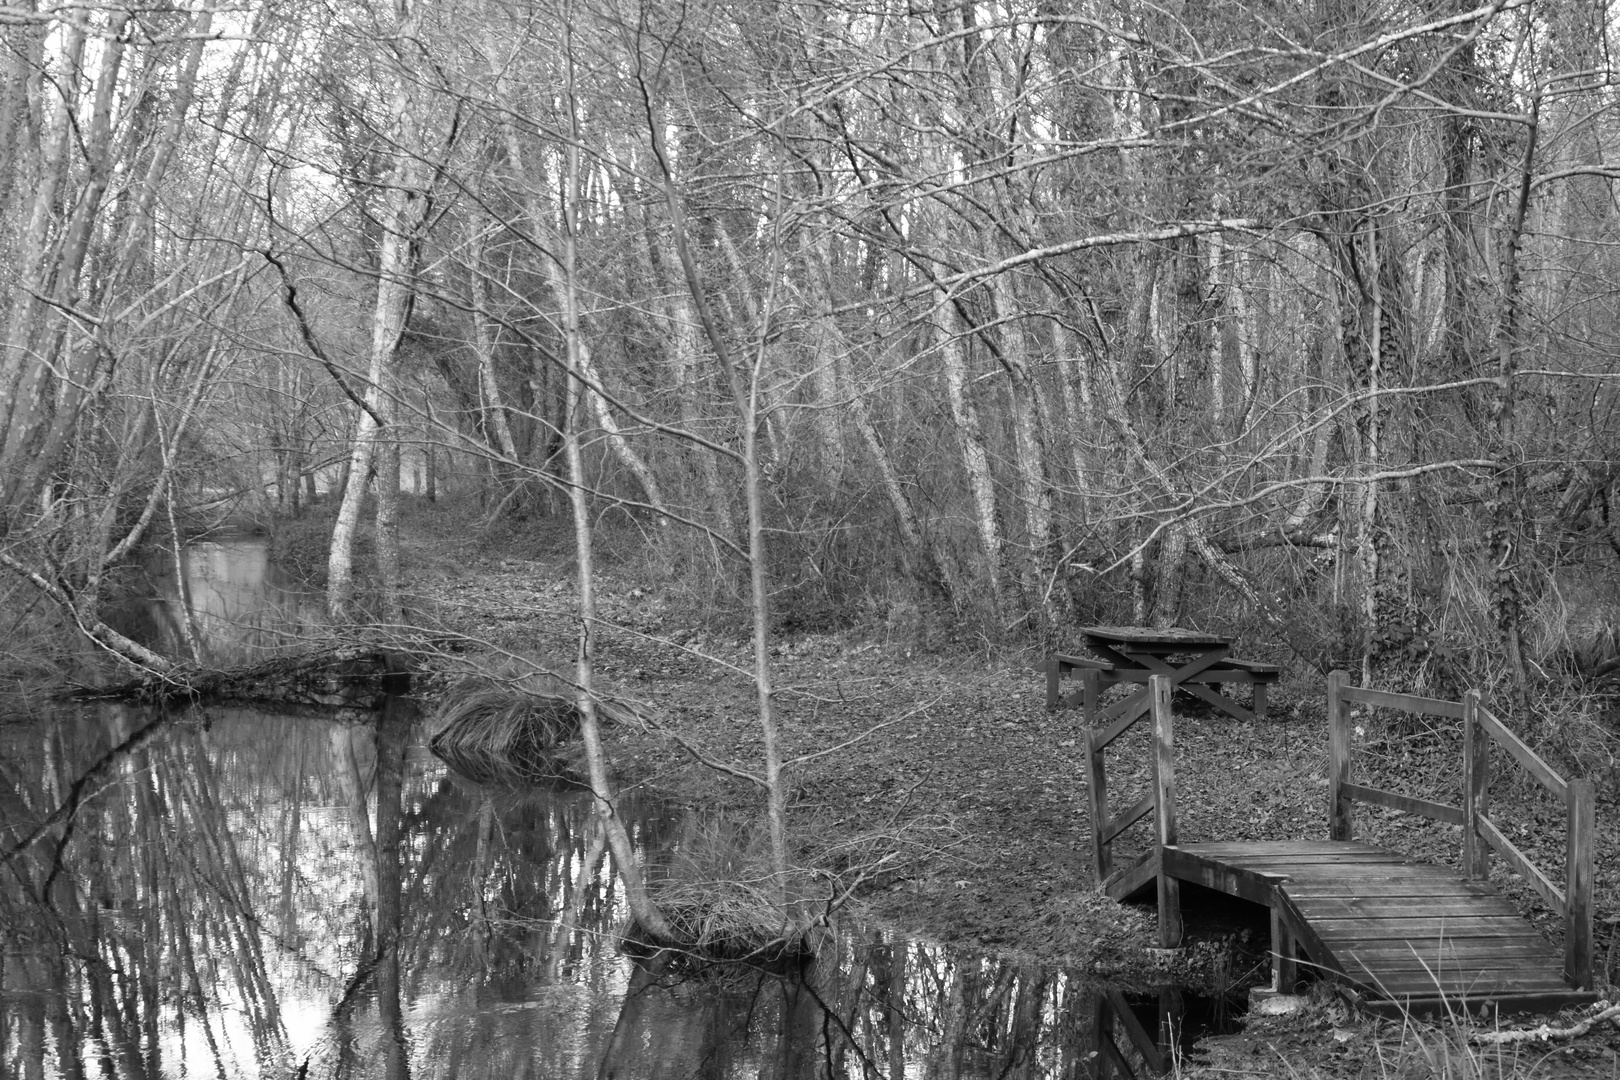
<point x="1159" y="802"/>
<point x="1574" y="900"/>
<point x="1341" y="792"/>
<point x="1481" y="729"/>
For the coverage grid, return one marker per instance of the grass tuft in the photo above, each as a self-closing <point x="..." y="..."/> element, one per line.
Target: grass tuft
<point x="515" y="731"/>
<point x="723" y="897"/>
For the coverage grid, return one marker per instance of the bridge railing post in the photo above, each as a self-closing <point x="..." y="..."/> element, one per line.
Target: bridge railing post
<point x="1164" y="808"/>
<point x="1096" y="777"/>
<point x="1476" y="853"/>
<point x="1339" y="825"/>
<point x="1284" y="967"/>
<point x="1582" y="812"/>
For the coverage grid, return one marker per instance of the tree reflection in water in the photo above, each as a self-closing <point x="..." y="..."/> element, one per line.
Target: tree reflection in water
<point x="242" y="894"/>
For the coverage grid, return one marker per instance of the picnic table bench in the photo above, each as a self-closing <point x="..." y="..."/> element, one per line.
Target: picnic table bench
<point x="1194" y="661"/>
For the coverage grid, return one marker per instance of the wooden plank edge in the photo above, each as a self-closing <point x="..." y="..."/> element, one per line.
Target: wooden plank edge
<point x="1317" y="953"/>
<point x="1522" y="753"/>
<point x="1122" y="821"/>
<point x="1451" y="815"/>
<point x="1361" y="907"/>
<point x="1251" y="885"/>
<point x="1125" y="882"/>
<point x="1406" y="702"/>
<point x="1219" y="847"/>
<point x="1552" y="894"/>
<point x="1131" y="710"/>
<point x="1064" y="662"/>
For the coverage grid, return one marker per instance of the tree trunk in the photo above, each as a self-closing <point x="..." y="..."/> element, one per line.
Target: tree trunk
<point x="405" y="214"/>
<point x="645" y="912"/>
<point x="1506" y="529"/>
<point x="1169" y="575"/>
<point x="392" y="736"/>
<point x="1032" y="455"/>
<point x="975" y="455"/>
<point x="489" y="391"/>
<point x="388" y="525"/>
<point x="353" y="785"/>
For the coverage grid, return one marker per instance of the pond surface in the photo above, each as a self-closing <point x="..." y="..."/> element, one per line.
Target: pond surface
<point x="221" y="892"/>
<point x="241" y="606"/>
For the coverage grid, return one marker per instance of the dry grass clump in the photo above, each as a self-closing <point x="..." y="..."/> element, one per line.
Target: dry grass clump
<point x="499" y="735"/>
<point x="514" y="729"/>
<point x="722" y="896"/>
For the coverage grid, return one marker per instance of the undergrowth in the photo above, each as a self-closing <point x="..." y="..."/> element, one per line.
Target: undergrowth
<point x="721" y="893"/>
<point x="515" y="722"/>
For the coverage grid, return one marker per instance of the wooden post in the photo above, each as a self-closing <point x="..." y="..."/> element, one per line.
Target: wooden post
<point x="1096" y="778"/>
<point x="1054" y="682"/>
<point x="1284" y="968"/>
<point x="1578" y="884"/>
<point x="1339" y="827"/>
<point x="1259" y="700"/>
<point x="1476" y="862"/>
<point x="1090" y="697"/>
<point x="1164" y="807"/>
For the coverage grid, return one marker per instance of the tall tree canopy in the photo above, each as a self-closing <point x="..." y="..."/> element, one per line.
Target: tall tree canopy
<point x="1043" y="313"/>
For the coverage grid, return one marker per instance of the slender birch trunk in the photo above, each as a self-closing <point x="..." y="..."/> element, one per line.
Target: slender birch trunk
<point x="645" y="912"/>
<point x="353" y="785"/>
<point x="746" y="399"/>
<point x="616" y="440"/>
<point x="1032" y="446"/>
<point x="1248" y="357"/>
<point x="684" y="341"/>
<point x="833" y="343"/>
<point x="406" y="205"/>
<point x="542" y="232"/>
<point x="823" y="363"/>
<point x="489" y="391"/>
<point x="1217" y="358"/>
<point x="975" y="453"/>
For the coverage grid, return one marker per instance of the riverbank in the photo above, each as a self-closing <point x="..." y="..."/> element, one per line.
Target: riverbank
<point x="933" y="743"/>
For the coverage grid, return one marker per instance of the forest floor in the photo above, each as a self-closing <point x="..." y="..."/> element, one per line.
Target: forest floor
<point x="950" y="761"/>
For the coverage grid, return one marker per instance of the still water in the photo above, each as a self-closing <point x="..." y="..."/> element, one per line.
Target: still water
<point x="229" y="893"/>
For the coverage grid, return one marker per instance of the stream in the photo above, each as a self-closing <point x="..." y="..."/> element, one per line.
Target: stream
<point x="234" y="893"/>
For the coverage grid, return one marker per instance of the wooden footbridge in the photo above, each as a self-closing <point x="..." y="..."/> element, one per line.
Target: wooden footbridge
<point x="1394" y="933"/>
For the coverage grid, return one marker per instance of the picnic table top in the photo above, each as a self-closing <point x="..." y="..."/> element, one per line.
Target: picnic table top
<point x="1150" y="637"/>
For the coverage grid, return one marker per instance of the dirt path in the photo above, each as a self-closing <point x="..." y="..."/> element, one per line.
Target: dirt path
<point x="958" y="749"/>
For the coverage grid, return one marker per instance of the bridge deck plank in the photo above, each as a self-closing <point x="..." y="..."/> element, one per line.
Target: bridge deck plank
<point x="1391" y="928"/>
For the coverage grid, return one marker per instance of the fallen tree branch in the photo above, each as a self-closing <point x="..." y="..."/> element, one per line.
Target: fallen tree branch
<point x="332" y="678"/>
<point x="713" y="763"/>
<point x="1548" y="1033"/>
<point x="132" y="653"/>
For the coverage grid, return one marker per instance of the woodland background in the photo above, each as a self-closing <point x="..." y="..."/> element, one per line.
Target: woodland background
<point x="1293" y="319"/>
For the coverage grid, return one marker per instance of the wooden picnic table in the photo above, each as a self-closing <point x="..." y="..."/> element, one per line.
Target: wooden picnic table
<point x="1193" y="660"/>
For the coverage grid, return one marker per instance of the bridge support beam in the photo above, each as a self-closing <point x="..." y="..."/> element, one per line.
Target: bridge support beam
<point x="1284" y="967"/>
<point x="1164" y="805"/>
